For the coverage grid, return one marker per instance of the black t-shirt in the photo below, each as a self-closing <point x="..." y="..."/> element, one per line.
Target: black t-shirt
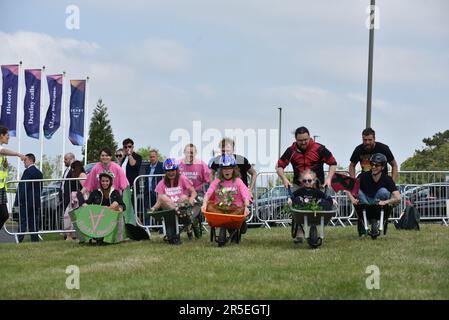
<point x="133" y="171"/>
<point x="369" y="187"/>
<point x="363" y="156"/>
<point x="242" y="163"/>
<point x="310" y="194"/>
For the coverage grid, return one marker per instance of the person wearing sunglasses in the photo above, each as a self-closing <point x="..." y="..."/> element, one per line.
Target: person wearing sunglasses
<point x="376" y="187"/>
<point x="308" y="193"/>
<point x="119" y="156"/>
<point x="131" y="161"/>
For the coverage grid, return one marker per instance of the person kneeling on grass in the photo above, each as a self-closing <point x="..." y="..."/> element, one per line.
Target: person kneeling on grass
<point x="227" y="193"/>
<point x="309" y="197"/>
<point x="175" y="192"/>
<point x="106" y="196"/>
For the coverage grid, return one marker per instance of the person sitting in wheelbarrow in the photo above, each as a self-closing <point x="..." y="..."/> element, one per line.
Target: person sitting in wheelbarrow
<point x="376" y="187"/>
<point x="309" y="196"/>
<point x="227" y="193"/>
<point x="176" y="192"/>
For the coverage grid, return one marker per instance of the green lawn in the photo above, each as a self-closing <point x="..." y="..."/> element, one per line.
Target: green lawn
<point x="266" y="265"/>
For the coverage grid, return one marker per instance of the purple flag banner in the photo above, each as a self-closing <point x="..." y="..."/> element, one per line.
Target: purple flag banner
<point x="32" y="103"/>
<point x="10" y="75"/>
<point x="77" y="98"/>
<point x="53" y="117"/>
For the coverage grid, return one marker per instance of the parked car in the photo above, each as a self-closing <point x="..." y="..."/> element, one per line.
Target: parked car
<point x="269" y="205"/>
<point x="430" y="199"/>
<point x="51" y="213"/>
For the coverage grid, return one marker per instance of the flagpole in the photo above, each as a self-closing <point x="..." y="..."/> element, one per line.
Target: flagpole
<point x="18" y="125"/>
<point x="64" y="87"/>
<point x="41" y="122"/>
<point x="86" y="111"/>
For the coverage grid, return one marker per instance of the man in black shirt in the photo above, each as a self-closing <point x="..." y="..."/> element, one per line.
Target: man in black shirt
<point x="375" y="186"/>
<point x="227" y="147"/>
<point x="131" y="162"/>
<point x="363" y="152"/>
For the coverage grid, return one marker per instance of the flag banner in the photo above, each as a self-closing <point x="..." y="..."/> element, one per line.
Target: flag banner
<point x="343" y="182"/>
<point x="77" y="98"/>
<point x="53" y="117"/>
<point x="32" y="103"/>
<point x="10" y="75"/>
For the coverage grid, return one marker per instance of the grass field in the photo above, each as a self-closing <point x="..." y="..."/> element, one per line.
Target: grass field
<point x="266" y="265"/>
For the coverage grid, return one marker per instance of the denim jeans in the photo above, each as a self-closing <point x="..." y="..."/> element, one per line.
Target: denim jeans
<point x="381" y="194"/>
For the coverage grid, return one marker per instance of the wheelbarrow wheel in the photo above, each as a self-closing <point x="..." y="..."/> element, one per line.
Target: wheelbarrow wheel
<point x="374" y="232"/>
<point x="222" y="237"/>
<point x="313" y="237"/>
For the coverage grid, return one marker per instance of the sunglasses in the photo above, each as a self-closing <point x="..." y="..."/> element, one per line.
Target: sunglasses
<point x="119" y="155"/>
<point x="128" y="147"/>
<point x="376" y="164"/>
<point x="307" y="180"/>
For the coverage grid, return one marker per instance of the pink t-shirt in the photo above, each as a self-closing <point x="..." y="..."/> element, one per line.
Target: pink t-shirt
<point x="198" y="172"/>
<point x="119" y="183"/>
<point x="175" y="193"/>
<point x="237" y="186"/>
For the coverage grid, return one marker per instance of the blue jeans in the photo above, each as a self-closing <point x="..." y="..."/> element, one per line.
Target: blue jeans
<point x="381" y="194"/>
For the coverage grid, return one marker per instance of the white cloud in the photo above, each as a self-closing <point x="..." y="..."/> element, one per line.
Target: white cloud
<point x="162" y="55"/>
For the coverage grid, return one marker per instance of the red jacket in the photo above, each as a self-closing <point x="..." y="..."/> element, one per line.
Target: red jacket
<point x="313" y="158"/>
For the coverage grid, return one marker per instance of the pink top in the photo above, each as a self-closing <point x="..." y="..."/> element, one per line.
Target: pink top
<point x="175" y="193"/>
<point x="119" y="183"/>
<point x="198" y="172"/>
<point x="238" y="187"/>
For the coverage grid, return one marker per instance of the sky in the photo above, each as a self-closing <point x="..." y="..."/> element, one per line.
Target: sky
<point x="172" y="72"/>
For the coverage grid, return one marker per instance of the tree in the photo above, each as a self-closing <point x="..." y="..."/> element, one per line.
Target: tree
<point x="145" y="153"/>
<point x="433" y="157"/>
<point x="51" y="167"/>
<point x="100" y="133"/>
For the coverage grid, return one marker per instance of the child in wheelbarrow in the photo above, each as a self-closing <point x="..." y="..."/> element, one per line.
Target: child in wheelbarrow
<point x="175" y="192"/>
<point x="309" y="196"/>
<point x="227" y="193"/>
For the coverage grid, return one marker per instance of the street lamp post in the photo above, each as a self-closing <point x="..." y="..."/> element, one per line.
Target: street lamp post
<point x="280" y="130"/>
<point x="370" y="65"/>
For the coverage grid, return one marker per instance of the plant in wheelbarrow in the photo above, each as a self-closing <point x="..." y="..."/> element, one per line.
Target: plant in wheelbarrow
<point x="184" y="213"/>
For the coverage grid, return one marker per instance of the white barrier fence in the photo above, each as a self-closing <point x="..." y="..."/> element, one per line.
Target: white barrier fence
<point x="43" y="202"/>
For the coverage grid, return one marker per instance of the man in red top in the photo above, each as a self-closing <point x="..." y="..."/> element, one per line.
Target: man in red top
<point x="304" y="154"/>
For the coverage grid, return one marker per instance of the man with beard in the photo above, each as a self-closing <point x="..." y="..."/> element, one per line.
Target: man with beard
<point x="363" y="152"/>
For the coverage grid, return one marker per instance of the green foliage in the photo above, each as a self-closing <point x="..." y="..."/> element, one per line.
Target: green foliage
<point x="145" y="153"/>
<point x="308" y="206"/>
<point x="51" y="167"/>
<point x="434" y="156"/>
<point x="100" y="133"/>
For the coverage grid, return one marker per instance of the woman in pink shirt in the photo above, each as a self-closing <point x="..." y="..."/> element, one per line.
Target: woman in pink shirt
<point x="120" y="181"/>
<point x="172" y="193"/>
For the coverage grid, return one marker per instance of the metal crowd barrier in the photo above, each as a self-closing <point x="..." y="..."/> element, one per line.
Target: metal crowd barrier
<point x="142" y="201"/>
<point x="428" y="191"/>
<point x="31" y="216"/>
